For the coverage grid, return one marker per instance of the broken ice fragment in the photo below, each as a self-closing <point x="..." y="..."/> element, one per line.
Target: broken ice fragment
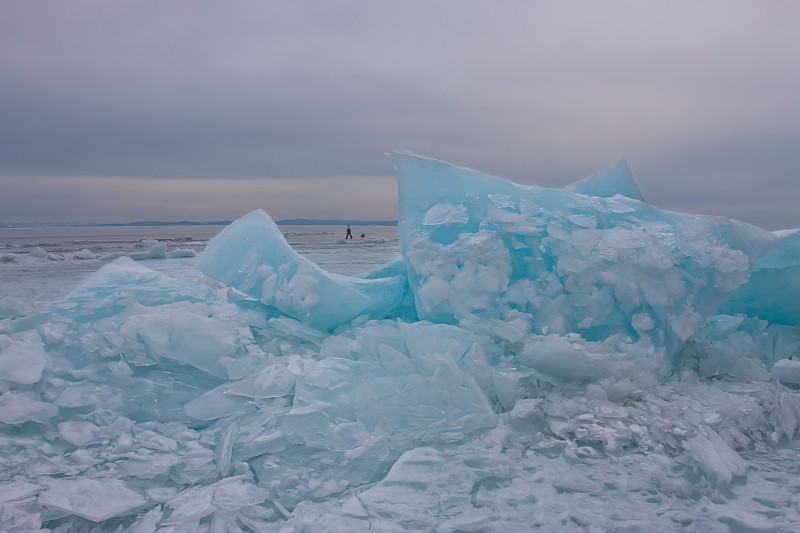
<point x="178" y="332"/>
<point x="22" y="358"/>
<point x="227" y="494"/>
<point x="271" y="382"/>
<point x="94" y="499"/>
<point x="787" y="371"/>
<point x="714" y="456"/>
<point x="79" y="433"/>
<point x="20" y="407"/>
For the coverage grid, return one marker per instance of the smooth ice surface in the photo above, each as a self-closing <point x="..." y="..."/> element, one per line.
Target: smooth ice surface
<point x="478" y="246"/>
<point x="252" y="256"/>
<point x="145" y="396"/>
<point x="772" y="293"/>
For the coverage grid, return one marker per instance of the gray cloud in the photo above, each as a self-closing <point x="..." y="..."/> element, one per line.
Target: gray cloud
<point x="699" y="97"/>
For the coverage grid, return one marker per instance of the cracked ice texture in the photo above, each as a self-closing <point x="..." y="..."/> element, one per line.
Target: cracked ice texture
<point x="481" y="247"/>
<point x="253" y="256"/>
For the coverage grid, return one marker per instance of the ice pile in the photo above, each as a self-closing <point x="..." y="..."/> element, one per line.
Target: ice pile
<point x="540" y="358"/>
<point x="480" y="248"/>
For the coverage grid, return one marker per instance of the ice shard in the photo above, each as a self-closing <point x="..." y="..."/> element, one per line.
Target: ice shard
<point x="252" y="256"/>
<point x="616" y="179"/>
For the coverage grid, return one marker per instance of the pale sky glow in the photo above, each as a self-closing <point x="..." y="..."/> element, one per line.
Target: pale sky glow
<point x="113" y="199"/>
<point x="204" y="110"/>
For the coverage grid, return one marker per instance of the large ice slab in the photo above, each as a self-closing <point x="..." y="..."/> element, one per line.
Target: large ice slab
<point x="481" y="246"/>
<point x="252" y="256"/>
<point x="772" y="293"/>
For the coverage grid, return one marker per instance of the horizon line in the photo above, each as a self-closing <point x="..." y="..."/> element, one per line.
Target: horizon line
<point x="140" y="223"/>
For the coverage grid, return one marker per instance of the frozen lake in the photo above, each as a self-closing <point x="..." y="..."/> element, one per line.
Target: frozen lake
<point x="36" y="279"/>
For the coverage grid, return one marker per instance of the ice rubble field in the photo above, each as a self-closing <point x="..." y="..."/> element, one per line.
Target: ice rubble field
<point x="566" y="359"/>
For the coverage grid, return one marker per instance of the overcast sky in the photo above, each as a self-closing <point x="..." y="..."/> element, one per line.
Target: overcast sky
<point x="199" y="110"/>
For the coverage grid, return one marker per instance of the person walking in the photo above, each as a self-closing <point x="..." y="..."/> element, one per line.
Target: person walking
<point x="349" y="234"/>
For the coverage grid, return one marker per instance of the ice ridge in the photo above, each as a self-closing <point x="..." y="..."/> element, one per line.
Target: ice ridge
<point x="252" y="255"/>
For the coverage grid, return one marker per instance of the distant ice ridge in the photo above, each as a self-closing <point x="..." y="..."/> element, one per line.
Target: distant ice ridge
<point x="154" y="250"/>
<point x="540" y="359"/>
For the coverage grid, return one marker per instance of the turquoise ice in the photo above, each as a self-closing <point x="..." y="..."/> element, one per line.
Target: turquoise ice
<point x="558" y="262"/>
<point x="755" y="331"/>
<point x="616" y="179"/>
<point x="252" y="256"/>
<point x="772" y="293"/>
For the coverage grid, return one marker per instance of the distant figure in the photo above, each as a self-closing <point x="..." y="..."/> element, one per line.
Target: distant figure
<point x="362" y="235"/>
<point x="349" y="234"/>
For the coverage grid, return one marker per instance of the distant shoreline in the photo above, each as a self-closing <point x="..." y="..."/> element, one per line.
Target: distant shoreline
<point x="145" y="223"/>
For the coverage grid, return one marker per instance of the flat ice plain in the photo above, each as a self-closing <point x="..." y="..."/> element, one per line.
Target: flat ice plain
<point x="514" y="358"/>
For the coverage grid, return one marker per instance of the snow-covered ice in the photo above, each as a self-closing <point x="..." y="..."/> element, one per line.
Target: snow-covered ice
<point x="571" y="360"/>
